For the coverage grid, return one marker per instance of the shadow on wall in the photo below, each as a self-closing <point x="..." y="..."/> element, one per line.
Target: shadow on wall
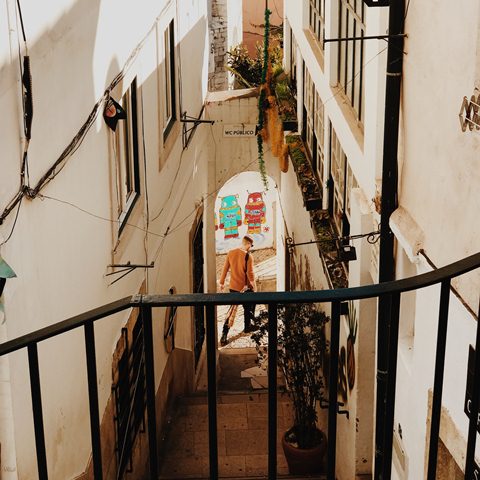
<point x="63" y="95"/>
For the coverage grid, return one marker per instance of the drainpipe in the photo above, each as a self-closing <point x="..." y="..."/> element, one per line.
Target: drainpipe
<point x="389" y="202"/>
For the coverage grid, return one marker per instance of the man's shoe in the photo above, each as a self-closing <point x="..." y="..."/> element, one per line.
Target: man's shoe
<point x="224" y="340"/>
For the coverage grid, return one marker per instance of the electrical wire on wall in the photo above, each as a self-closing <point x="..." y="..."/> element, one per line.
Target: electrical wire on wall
<point x="147" y="202"/>
<point x="57" y="166"/>
<point x="27" y="113"/>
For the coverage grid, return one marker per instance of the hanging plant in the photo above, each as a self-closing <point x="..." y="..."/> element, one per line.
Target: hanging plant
<point x="270" y="126"/>
<point x="262" y="101"/>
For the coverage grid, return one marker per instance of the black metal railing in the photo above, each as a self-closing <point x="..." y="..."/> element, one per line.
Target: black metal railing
<point x="389" y="290"/>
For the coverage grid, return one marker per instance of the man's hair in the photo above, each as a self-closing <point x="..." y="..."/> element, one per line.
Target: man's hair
<point x="248" y="239"/>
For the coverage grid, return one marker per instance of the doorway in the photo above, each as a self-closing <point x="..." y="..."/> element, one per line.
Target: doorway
<point x="245" y="207"/>
<point x="198" y="280"/>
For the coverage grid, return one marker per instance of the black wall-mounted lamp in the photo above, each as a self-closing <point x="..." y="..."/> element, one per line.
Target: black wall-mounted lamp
<point x="347" y="253"/>
<point x="112" y="113"/>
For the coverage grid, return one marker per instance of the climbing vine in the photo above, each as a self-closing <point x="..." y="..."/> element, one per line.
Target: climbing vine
<point x="270" y="125"/>
<point x="262" y="99"/>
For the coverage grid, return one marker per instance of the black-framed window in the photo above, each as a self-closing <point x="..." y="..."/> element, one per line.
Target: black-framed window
<point x="350" y="54"/>
<point x="169" y="100"/>
<point x="317" y="20"/>
<point x="128" y="171"/>
<point x="313" y="128"/>
<point x="319" y="133"/>
<point x="293" y="60"/>
<point x="338" y="178"/>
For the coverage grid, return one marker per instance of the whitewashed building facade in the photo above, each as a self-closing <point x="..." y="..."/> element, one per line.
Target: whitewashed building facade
<point x="341" y="101"/>
<point x="134" y="196"/>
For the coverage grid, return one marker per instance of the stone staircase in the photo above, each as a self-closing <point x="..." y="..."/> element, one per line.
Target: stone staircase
<point x="242" y="437"/>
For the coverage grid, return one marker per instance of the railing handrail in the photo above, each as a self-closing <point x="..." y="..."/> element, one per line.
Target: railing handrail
<point x="423" y="280"/>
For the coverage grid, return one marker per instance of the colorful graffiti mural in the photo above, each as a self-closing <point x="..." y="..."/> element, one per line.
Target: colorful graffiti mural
<point x="230" y="216"/>
<point x="255" y="213"/>
<point x="243" y="207"/>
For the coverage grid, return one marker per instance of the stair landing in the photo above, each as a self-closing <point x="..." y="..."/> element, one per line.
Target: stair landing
<point x="242" y="437"/>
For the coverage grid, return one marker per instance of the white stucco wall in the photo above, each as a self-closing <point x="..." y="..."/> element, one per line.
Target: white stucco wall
<point x="363" y="148"/>
<point x="438" y="188"/>
<point x="446" y="158"/>
<point x="59" y="252"/>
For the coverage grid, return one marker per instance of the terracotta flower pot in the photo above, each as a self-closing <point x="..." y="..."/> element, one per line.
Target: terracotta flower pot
<point x="305" y="461"/>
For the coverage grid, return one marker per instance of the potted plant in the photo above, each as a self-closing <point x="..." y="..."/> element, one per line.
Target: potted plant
<point x="287" y="103"/>
<point x="312" y="196"/>
<point x="301" y="348"/>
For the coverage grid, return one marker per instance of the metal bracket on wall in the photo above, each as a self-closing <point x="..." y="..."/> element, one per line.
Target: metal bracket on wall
<point x="369" y="37"/>
<point x="187" y="133"/>
<point x="125" y="268"/>
<point x="342" y="412"/>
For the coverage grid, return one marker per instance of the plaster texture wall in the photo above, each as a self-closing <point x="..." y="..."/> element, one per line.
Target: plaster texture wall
<point x="225" y="33"/>
<point x="362" y="144"/>
<point x="438" y="184"/>
<point x="446" y="159"/>
<point x="60" y="249"/>
<point x="254" y="18"/>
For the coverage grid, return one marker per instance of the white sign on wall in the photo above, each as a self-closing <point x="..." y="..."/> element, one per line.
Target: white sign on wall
<point x="239" y="130"/>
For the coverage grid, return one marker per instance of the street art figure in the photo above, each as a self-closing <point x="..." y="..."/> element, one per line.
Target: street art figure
<point x="230" y="216"/>
<point x="255" y="214"/>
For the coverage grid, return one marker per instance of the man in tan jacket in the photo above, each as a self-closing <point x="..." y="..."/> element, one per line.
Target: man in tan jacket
<point x="239" y="262"/>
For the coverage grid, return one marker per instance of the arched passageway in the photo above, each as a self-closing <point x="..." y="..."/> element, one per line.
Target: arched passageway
<point x="244" y="206"/>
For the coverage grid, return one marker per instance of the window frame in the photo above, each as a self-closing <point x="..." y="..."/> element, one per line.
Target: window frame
<point x="316" y="20"/>
<point x="314" y="127"/>
<point x="338" y="174"/>
<point x="350" y="74"/>
<point x="170" y="98"/>
<point x="127" y="157"/>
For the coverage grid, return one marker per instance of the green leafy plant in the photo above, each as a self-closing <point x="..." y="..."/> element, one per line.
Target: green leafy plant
<point x="246" y="69"/>
<point x="301" y="348"/>
<point x="305" y="175"/>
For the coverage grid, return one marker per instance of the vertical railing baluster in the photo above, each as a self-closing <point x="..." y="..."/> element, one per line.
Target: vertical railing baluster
<point x="472" y="424"/>
<point x="391" y="383"/>
<point x="438" y="379"/>
<point x="37" y="411"/>
<point x="212" y="391"/>
<point x="146" y="317"/>
<point x="272" y="391"/>
<point x="93" y="400"/>
<point x="333" y="390"/>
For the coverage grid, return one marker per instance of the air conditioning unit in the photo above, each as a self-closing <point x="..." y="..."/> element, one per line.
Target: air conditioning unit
<point x="377" y="3"/>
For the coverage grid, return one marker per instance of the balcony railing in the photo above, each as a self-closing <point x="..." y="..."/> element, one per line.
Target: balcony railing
<point x="145" y="303"/>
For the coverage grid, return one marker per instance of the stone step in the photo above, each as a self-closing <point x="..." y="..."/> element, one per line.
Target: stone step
<point x="263" y="477"/>
<point x="261" y="396"/>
